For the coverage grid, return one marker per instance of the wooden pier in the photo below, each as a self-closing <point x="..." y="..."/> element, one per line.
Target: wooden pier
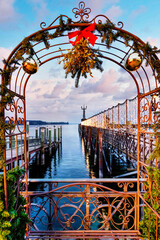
<point x="123" y="144"/>
<point x="44" y="142"/>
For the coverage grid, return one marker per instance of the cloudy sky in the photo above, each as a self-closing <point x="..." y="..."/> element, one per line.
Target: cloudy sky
<point x="50" y="96"/>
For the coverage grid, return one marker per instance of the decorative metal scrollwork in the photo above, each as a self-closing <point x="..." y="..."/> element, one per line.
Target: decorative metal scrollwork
<point x="15" y="115"/>
<point x="148" y="109"/>
<point x="43" y="25"/>
<point x="79" y="207"/>
<point x="81" y="11"/>
<point x="125" y="185"/>
<point x="82" y="14"/>
<point x="120" y="24"/>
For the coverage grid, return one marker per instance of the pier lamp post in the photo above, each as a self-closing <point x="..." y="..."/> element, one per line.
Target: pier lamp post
<point x="84" y="112"/>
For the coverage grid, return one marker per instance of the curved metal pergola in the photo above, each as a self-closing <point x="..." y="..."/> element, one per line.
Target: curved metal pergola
<point x="144" y="78"/>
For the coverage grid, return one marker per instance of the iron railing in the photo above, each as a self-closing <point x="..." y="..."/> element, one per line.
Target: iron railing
<point x="101" y="207"/>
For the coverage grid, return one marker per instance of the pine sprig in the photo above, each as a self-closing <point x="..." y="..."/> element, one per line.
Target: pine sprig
<point x="12" y="221"/>
<point x="152" y="196"/>
<point x="80" y="60"/>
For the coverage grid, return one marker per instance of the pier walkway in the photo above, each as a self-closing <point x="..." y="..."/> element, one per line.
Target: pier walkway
<point x="17" y="147"/>
<point x="15" y="154"/>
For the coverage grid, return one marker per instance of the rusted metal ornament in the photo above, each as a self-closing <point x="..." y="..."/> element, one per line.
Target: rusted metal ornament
<point x="133" y="62"/>
<point x="30" y="66"/>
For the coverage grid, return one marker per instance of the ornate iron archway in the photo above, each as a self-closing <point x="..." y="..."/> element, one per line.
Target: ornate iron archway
<point x="42" y="46"/>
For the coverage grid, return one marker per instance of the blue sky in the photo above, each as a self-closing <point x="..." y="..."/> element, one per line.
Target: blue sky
<point x="54" y="98"/>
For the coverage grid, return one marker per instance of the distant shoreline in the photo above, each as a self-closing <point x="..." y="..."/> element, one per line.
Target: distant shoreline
<point x="39" y="122"/>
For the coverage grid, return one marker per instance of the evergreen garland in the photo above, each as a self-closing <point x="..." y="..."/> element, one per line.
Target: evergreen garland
<point x="109" y="35"/>
<point x="152" y="196"/>
<point x="107" y="32"/>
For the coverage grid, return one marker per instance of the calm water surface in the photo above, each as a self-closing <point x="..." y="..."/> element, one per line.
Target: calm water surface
<point x="68" y="162"/>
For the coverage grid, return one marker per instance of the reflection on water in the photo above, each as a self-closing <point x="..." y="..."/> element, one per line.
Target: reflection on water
<point x="70" y="160"/>
<point x="67" y="206"/>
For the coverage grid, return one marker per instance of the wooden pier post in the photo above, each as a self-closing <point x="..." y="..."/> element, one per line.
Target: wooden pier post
<point x="42" y="146"/>
<point x="89" y="140"/>
<point x="95" y="148"/>
<point x="85" y="135"/>
<point x="37" y="158"/>
<point x="55" y="139"/>
<point x="100" y="155"/>
<point x="50" y="136"/>
<point x="59" y="135"/>
<point x="36" y="133"/>
<point x="42" y="137"/>
<point x="110" y="160"/>
<point x="50" y="141"/>
<point x="47" y="132"/>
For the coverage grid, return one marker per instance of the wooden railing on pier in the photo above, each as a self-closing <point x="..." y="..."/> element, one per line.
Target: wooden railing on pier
<point x="119" y="125"/>
<point x="122" y="141"/>
<point x="15" y="153"/>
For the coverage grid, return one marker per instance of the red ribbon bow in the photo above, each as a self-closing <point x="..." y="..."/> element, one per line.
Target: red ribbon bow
<point x="84" y="33"/>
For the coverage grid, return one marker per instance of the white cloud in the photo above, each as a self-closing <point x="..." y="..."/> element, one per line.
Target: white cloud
<point x="7" y="11"/>
<point x="60" y="90"/>
<point x="138" y="11"/>
<point x="153" y="41"/>
<point x="99" y="4"/>
<point x="114" y="12"/>
<point x="108" y="83"/>
<point x="134" y="15"/>
<point x="40" y="8"/>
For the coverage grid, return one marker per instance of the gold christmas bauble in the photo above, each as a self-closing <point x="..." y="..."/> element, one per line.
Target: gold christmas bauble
<point x="133" y="62"/>
<point x="30" y="66"/>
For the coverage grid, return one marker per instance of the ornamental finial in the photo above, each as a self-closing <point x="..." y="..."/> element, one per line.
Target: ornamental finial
<point x="81" y="12"/>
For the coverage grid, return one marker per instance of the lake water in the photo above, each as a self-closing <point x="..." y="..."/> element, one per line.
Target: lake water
<point x="70" y="160"/>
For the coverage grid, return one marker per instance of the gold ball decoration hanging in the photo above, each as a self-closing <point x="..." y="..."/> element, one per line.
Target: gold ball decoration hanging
<point x="133" y="62"/>
<point x="30" y="66"/>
